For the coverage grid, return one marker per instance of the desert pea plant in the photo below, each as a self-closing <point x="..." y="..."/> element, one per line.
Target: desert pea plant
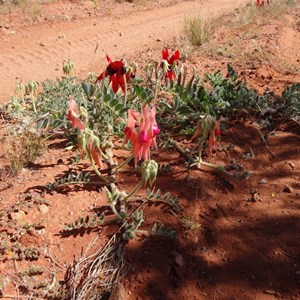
<point x="141" y="131"/>
<point x="140" y="113"/>
<point x="140" y="127"/>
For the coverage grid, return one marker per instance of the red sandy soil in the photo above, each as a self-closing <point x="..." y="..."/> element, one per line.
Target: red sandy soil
<point x="243" y="249"/>
<point x="74" y="29"/>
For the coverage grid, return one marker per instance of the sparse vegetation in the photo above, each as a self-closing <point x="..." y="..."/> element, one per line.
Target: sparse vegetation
<point x="199" y="29"/>
<point x="24" y="144"/>
<point x="251" y="14"/>
<point x="189" y="224"/>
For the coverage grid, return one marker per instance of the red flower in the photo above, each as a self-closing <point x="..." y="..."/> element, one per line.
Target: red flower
<point x="115" y="70"/>
<point x="73" y="115"/>
<point x="174" y="58"/>
<point x="261" y="2"/>
<point x="141" y="130"/>
<point x="215" y="133"/>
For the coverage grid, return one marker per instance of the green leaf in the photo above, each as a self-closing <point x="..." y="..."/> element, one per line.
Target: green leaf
<point x="158" y="194"/>
<point x="107" y="98"/>
<point x="123" y="110"/>
<point x="94" y="219"/>
<point x="81" y="221"/>
<point x="119" y="106"/>
<point x="113" y="102"/>
<point x="88" y="89"/>
<point x="166" y="196"/>
<point x="149" y="193"/>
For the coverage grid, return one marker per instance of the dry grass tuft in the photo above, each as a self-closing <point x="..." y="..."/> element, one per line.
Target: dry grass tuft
<point x="256" y="14"/>
<point x="93" y="275"/>
<point x="23" y="146"/>
<point x="199" y="30"/>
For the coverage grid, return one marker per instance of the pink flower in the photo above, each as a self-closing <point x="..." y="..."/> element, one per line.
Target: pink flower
<point x="174" y="58"/>
<point x="142" y="130"/>
<point x="214" y="132"/>
<point x="95" y="153"/>
<point x="73" y="115"/>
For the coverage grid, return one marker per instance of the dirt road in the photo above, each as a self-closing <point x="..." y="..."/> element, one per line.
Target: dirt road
<point x="37" y="51"/>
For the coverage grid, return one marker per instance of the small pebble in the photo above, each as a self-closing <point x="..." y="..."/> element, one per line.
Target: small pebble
<point x="263" y="181"/>
<point x="288" y="189"/>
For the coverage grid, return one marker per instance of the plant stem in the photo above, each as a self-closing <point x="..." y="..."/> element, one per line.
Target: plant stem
<point x="156" y="85"/>
<point x="123" y="163"/>
<point x="153" y="201"/>
<point x="113" y="187"/>
<point x="110" y="220"/>
<point x="113" y="208"/>
<point x="187" y="156"/>
<point x="137" y="187"/>
<point x="142" y="232"/>
<point x="97" y="171"/>
<point x="33" y="103"/>
<point x="125" y="89"/>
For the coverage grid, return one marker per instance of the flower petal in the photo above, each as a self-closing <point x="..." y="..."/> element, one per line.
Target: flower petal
<point x="115" y="84"/>
<point x="120" y="79"/>
<point x="95" y="153"/>
<point x="165" y="53"/>
<point x="174" y="57"/>
<point x="73" y="115"/>
<point x="170" y="75"/>
<point x="101" y="76"/>
<point x="77" y="123"/>
<point x="108" y="59"/>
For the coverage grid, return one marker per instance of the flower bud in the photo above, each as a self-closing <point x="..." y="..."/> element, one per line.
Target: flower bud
<point x="217" y="132"/>
<point x="153" y="171"/>
<point x="149" y="171"/>
<point x="143" y="137"/>
<point x="81" y="139"/>
<point x="68" y="66"/>
<point x="21" y="88"/>
<point x="155" y="130"/>
<point x="165" y="65"/>
<point x="84" y="114"/>
<point x="122" y="195"/>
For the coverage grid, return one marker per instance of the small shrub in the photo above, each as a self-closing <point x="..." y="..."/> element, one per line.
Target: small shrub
<point x="199" y="30"/>
<point x="23" y="147"/>
<point x="189" y="224"/>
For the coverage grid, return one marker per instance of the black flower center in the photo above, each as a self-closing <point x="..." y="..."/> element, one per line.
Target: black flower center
<point x="110" y="70"/>
<point x="123" y="70"/>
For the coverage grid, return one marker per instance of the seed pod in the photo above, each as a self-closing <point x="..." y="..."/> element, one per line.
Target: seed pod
<point x="84" y="115"/>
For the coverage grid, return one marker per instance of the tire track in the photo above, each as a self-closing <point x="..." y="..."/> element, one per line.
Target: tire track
<point x="47" y="48"/>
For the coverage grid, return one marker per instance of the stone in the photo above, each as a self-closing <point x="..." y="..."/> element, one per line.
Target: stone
<point x="291" y="165"/>
<point x="88" y="5"/>
<point x="288" y="189"/>
<point x="44" y="209"/>
<point x="5" y="31"/>
<point x="15" y="216"/>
